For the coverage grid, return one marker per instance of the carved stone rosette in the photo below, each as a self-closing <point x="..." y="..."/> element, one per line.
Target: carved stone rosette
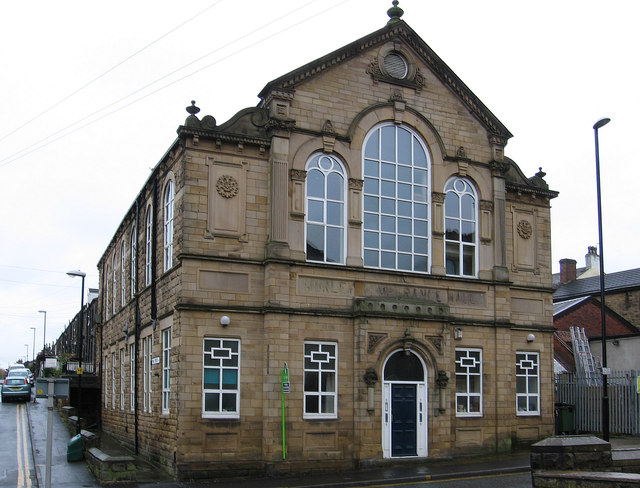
<point x="227" y="186"/>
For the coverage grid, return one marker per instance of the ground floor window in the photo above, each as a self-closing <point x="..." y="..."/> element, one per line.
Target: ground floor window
<point x="132" y="376"/>
<point x="166" y="369"/>
<point x="106" y="381"/>
<point x="122" y="381"/>
<point x="468" y="382"/>
<point x="221" y="375"/>
<point x="527" y="383"/>
<point x="147" y="357"/>
<point x="320" y="379"/>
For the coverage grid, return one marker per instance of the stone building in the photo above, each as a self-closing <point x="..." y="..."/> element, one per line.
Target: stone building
<point x="359" y="241"/>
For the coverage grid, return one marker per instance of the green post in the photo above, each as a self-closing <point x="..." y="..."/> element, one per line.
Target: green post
<point x="284" y="376"/>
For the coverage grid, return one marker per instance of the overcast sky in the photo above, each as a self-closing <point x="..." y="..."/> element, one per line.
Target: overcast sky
<point x="91" y="95"/>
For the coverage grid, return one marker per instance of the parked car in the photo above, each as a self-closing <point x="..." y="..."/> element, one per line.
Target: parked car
<point x="15" y="367"/>
<point x="16" y="386"/>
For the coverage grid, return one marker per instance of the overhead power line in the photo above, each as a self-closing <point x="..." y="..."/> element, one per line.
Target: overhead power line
<point x="118" y="64"/>
<point x="48" y="140"/>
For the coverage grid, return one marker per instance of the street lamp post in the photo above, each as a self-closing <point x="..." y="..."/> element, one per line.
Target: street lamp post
<point x="79" y="370"/>
<point x="27" y="356"/>
<point x="605" y="388"/>
<point x="44" y="341"/>
<point x="34" y="346"/>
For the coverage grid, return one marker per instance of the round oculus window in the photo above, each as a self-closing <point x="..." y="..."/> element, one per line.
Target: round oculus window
<point x="395" y="65"/>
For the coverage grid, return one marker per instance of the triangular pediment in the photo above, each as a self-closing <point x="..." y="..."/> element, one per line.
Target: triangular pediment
<point x="401" y="32"/>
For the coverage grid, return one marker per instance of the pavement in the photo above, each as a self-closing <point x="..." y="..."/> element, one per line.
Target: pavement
<point x="76" y="474"/>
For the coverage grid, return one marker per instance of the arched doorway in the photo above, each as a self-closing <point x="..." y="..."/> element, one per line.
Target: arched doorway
<point x="404" y="406"/>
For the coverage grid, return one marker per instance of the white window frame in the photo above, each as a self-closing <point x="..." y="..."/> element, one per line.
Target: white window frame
<point x="527" y="382"/>
<point x="147" y="347"/>
<point x="218" y="355"/>
<point x="122" y="377"/>
<point x="326" y="212"/>
<point x="320" y="366"/>
<point x="396" y="210"/>
<point x="166" y="370"/>
<point x="113" y="380"/>
<point x="168" y="225"/>
<point x="132" y="376"/>
<point x="114" y="284"/>
<point x="454" y="224"/>
<point x="107" y="277"/>
<point x="148" y="249"/>
<point x="106" y="381"/>
<point x="134" y="260"/>
<point x="468" y="369"/>
<point x="123" y="269"/>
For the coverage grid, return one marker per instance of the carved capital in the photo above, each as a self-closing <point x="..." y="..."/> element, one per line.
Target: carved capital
<point x="355" y="184"/>
<point x="438" y="197"/>
<point x="298" y="174"/>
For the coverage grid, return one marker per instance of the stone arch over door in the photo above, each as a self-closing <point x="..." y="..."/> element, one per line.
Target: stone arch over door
<point x="404" y="405"/>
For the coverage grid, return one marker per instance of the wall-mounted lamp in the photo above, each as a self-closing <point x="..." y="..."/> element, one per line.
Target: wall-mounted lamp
<point x="224" y="321"/>
<point x="531" y="338"/>
<point x="457" y="333"/>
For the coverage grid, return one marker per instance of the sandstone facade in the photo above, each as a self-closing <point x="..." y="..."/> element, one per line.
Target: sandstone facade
<point x="372" y="351"/>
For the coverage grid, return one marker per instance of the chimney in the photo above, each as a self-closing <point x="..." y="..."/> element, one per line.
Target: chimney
<point x="592" y="260"/>
<point x="567" y="270"/>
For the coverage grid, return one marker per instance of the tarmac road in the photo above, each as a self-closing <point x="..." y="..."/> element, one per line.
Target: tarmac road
<point x="16" y="460"/>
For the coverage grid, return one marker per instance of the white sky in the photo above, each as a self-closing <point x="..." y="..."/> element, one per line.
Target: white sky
<point x="74" y="152"/>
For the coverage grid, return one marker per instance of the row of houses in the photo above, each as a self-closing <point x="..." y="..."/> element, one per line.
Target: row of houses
<point x="350" y="273"/>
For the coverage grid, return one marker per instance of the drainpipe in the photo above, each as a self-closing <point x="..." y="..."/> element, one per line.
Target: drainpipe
<point x="136" y="335"/>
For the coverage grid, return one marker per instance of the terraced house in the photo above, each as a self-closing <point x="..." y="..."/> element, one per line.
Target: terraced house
<point x="358" y="250"/>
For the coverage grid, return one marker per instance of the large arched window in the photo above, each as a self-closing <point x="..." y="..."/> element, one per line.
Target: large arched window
<point x="168" y="226"/>
<point x="461" y="233"/>
<point x="325" y="209"/>
<point x="396" y="200"/>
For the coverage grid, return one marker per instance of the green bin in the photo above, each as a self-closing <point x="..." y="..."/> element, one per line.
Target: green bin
<point x="74" y="448"/>
<point x="565" y="418"/>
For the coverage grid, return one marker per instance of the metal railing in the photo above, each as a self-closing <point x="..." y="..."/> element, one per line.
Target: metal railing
<point x="72" y="366"/>
<point x="586" y="397"/>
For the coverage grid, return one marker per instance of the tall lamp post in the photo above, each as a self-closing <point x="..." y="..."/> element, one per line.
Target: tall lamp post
<point x="33" y="354"/>
<point x="44" y="341"/>
<point x="79" y="371"/>
<point x="27" y="356"/>
<point x="605" y="389"/>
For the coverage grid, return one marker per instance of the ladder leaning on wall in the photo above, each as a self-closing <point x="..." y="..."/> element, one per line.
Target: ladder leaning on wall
<point x="586" y="366"/>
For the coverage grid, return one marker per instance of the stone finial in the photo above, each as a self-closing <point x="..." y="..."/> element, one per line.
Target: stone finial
<point x="192" y="120"/>
<point x="538" y="180"/>
<point x="394" y="13"/>
<point x="192" y="109"/>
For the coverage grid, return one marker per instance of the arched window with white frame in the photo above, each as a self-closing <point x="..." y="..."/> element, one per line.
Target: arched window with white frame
<point x="114" y="287"/>
<point x="461" y="227"/>
<point x="148" y="248"/>
<point x="134" y="260"/>
<point x="168" y="225"/>
<point x="123" y="270"/>
<point x="325" y="215"/>
<point x="396" y="201"/>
